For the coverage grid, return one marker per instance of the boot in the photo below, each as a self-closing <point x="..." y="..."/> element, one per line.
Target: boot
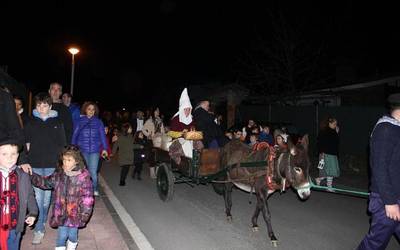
<point x="60" y="248"/>
<point x="329" y="181"/>
<point x="37" y="238"/>
<point x="71" y="245"/>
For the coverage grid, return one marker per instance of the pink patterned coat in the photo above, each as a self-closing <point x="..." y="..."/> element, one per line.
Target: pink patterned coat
<point x="73" y="200"/>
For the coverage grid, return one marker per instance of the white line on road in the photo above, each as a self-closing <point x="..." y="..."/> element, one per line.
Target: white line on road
<point x="137" y="235"/>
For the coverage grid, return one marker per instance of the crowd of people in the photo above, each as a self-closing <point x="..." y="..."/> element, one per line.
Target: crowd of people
<point x="54" y="155"/>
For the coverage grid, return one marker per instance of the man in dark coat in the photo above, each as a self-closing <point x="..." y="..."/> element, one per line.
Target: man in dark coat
<point x="204" y="120"/>
<point x="64" y="115"/>
<point x="9" y="123"/>
<point x="384" y="200"/>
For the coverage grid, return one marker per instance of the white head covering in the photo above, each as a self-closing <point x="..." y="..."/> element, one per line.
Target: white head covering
<point x="184" y="102"/>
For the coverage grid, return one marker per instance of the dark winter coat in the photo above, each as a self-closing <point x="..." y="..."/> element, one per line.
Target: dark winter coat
<point x="205" y="123"/>
<point x="73" y="200"/>
<point x="66" y="118"/>
<point x="9" y="124"/>
<point x="328" y="142"/>
<point x="125" y="147"/>
<point x="75" y="113"/>
<point x="385" y="160"/>
<point x="141" y="152"/>
<point x="89" y="135"/>
<point x="46" y="138"/>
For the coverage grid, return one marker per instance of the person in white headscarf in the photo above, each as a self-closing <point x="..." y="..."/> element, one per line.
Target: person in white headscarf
<point x="182" y="120"/>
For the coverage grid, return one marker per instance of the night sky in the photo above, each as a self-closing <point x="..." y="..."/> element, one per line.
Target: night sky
<point x="132" y="55"/>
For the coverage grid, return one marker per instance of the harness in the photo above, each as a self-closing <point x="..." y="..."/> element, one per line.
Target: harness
<point x="273" y="161"/>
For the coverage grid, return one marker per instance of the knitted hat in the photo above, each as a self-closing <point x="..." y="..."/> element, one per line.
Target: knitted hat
<point x="7" y="140"/>
<point x="394" y="100"/>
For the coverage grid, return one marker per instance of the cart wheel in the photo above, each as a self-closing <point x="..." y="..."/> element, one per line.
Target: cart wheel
<point x="165" y="182"/>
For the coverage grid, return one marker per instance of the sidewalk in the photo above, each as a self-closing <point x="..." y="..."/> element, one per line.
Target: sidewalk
<point x="100" y="233"/>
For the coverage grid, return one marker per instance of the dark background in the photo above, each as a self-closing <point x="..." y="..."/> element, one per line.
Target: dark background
<point x="143" y="53"/>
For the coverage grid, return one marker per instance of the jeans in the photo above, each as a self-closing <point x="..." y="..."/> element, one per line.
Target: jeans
<point x="43" y="198"/>
<point x="14" y="238"/>
<point x="66" y="233"/>
<point x="92" y="161"/>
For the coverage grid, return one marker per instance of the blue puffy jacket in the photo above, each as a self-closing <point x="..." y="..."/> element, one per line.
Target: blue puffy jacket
<point x="89" y="135"/>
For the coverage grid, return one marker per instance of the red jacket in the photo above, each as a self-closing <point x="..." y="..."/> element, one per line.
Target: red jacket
<point x="176" y="125"/>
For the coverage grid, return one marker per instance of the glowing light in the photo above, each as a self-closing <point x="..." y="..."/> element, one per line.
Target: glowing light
<point x="73" y="51"/>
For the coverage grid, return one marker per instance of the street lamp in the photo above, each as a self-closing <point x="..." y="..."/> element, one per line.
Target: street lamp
<point x="73" y="51"/>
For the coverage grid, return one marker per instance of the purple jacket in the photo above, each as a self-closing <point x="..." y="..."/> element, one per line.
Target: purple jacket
<point x="73" y="197"/>
<point x="89" y="135"/>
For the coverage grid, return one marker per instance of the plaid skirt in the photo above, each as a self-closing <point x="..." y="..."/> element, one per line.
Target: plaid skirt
<point x="331" y="167"/>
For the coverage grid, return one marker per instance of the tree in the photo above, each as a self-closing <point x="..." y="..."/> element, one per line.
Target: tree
<point x="283" y="62"/>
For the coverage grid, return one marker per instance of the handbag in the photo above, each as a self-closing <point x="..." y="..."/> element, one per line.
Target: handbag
<point x="193" y="135"/>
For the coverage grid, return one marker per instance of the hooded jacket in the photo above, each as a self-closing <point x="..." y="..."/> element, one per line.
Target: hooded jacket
<point x="46" y="137"/>
<point x="73" y="197"/>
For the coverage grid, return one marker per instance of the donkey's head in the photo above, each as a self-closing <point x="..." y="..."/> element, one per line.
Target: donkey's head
<point x="299" y="164"/>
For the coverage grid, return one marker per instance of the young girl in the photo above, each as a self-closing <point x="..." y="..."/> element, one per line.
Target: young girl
<point x="328" y="149"/>
<point x="139" y="153"/>
<point x="73" y="196"/>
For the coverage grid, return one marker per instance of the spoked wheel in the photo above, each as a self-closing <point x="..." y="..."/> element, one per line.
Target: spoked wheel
<point x="165" y="182"/>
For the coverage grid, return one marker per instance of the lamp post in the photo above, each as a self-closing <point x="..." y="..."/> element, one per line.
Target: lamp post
<point x="73" y="51"/>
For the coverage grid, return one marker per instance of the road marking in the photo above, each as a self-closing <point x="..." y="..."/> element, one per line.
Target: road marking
<point x="135" y="232"/>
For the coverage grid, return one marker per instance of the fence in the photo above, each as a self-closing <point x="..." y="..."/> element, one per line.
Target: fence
<point x="355" y="122"/>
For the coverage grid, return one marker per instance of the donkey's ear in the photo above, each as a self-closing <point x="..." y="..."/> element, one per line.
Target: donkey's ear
<point x="305" y="141"/>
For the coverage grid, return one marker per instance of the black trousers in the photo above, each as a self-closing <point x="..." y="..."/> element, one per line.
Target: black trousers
<point x="138" y="169"/>
<point x="124" y="172"/>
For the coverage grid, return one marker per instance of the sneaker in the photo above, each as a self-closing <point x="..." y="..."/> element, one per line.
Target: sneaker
<point x="122" y="183"/>
<point x="37" y="238"/>
<point x="139" y="178"/>
<point x="96" y="193"/>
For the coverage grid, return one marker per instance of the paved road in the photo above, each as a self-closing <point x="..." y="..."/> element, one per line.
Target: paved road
<point x="195" y="218"/>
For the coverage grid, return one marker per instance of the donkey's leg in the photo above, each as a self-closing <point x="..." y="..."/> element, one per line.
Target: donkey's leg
<point x="259" y="206"/>
<point x="228" y="200"/>
<point x="267" y="217"/>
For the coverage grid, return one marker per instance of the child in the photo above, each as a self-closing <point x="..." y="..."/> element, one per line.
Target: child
<point x="139" y="153"/>
<point x="73" y="196"/>
<point x="266" y="136"/>
<point x="124" y="146"/>
<point x="253" y="139"/>
<point x="281" y="140"/>
<point x="16" y="192"/>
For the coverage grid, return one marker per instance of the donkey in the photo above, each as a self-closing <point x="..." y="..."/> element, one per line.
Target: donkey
<point x="291" y="169"/>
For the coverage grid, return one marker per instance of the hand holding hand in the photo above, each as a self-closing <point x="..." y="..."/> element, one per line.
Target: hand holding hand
<point x="27" y="168"/>
<point x="30" y="220"/>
